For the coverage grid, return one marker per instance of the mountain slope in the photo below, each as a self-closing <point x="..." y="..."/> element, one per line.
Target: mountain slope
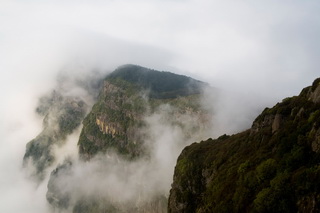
<point x="134" y="105"/>
<point x="63" y="110"/>
<point x="159" y="84"/>
<point x="129" y="94"/>
<point x="272" y="167"/>
<point x="62" y="116"/>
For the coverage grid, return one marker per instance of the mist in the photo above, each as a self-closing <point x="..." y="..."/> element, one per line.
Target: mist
<point x="255" y="53"/>
<point x="126" y="184"/>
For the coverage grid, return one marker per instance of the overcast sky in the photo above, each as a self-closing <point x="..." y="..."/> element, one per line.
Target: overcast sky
<point x="271" y="47"/>
<point x="263" y="49"/>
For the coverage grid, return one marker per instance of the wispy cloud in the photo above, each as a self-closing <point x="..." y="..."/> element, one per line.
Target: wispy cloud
<point x="263" y="51"/>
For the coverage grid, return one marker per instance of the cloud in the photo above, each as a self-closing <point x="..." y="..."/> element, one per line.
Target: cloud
<point x="250" y="44"/>
<point x="258" y="52"/>
<point x="129" y="184"/>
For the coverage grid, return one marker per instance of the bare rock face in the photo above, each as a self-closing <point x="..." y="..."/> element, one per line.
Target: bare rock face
<point x="112" y="120"/>
<point x="272" y="167"/>
<point x="312" y="93"/>
<point x="315" y="95"/>
<point x="262" y="123"/>
<point x="276" y="123"/>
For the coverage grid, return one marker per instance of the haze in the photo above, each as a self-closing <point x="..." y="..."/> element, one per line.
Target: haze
<point x="256" y="52"/>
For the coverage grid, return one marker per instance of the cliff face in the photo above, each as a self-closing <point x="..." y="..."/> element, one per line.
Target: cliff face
<point x="129" y="95"/>
<point x="62" y="115"/>
<point x="112" y="122"/>
<point x="272" y="167"/>
<point x="63" y="110"/>
<point x="118" y="123"/>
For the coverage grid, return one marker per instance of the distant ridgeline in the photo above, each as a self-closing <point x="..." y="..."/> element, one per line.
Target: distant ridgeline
<point x="160" y="85"/>
<point x="272" y="167"/>
<point x="114" y="124"/>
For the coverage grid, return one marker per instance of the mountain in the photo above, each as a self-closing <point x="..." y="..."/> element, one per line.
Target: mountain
<point x="62" y="115"/>
<point x="128" y="95"/>
<point x="120" y="138"/>
<point x="160" y="85"/>
<point x="63" y="110"/>
<point x="271" y="167"/>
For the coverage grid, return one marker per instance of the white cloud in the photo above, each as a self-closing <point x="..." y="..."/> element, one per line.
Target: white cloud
<point x="262" y="50"/>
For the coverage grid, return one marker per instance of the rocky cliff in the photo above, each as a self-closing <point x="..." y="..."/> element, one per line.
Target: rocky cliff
<point x="117" y="131"/>
<point x="62" y="115"/>
<point x="131" y="93"/>
<point x="272" y="167"/>
<point x="63" y="109"/>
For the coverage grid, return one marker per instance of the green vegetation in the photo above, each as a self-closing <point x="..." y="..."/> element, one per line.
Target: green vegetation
<point x="118" y="123"/>
<point x="258" y="170"/>
<point x="121" y="108"/>
<point x="124" y="102"/>
<point x="161" y="85"/>
<point x="130" y="94"/>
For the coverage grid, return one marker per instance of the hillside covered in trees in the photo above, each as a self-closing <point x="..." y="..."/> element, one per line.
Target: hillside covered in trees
<point x="271" y="167"/>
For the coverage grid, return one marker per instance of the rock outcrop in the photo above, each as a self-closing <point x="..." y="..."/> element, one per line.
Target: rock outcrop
<point x="63" y="109"/>
<point x="118" y="123"/>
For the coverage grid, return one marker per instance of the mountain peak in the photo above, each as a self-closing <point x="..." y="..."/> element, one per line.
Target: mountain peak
<point x="160" y="84"/>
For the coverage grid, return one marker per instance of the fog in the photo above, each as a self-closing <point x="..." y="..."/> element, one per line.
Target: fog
<point x="256" y="53"/>
<point x="123" y="183"/>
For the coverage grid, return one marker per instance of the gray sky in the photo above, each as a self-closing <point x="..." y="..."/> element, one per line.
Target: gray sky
<point x="263" y="51"/>
<point x="271" y="47"/>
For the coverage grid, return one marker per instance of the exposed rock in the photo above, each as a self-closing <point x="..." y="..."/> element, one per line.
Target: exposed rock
<point x="276" y="123"/>
<point x="108" y="128"/>
<point x="261" y="123"/>
<point x="315" y="95"/>
<point x="118" y="123"/>
<point x="301" y="112"/>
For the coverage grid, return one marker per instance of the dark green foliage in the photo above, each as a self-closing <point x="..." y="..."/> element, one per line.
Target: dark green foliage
<point x="131" y="94"/>
<point x="160" y="84"/>
<point x="266" y="170"/>
<point x="259" y="170"/>
<point x="71" y="118"/>
<point x="123" y="104"/>
<point x="39" y="151"/>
